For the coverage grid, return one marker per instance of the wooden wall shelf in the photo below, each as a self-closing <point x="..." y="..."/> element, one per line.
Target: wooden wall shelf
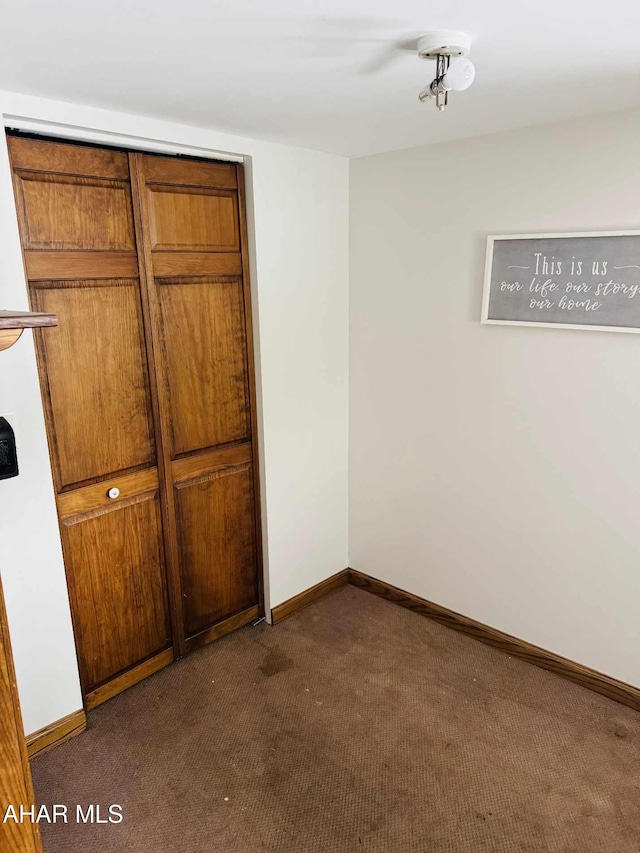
<point x="13" y="323"/>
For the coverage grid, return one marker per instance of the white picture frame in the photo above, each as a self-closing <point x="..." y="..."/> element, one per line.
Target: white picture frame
<point x="486" y="296"/>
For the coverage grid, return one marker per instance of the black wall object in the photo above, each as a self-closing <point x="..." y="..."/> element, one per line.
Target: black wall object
<point x="8" y="455"/>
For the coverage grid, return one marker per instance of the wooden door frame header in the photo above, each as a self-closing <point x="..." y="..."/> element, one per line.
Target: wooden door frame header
<point x="112" y="139"/>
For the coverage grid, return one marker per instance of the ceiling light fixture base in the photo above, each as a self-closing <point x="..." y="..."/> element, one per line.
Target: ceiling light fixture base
<point x="443" y="43"/>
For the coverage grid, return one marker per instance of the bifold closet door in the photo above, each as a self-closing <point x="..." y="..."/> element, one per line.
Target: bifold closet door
<point x="148" y="390"/>
<point x="77" y="229"/>
<point x="191" y="230"/>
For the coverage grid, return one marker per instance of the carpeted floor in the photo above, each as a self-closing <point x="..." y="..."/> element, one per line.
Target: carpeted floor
<point x="352" y="726"/>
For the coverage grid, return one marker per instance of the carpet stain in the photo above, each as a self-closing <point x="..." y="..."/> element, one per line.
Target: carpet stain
<point x="275" y="661"/>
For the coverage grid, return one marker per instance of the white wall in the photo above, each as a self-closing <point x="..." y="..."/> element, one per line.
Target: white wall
<point x="299" y="216"/>
<point x="496" y="470"/>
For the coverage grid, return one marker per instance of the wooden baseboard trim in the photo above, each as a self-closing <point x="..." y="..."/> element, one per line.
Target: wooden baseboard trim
<point x="619" y="691"/>
<point x="221" y="628"/>
<point x="304" y="599"/>
<point x="56" y="733"/>
<point x="127" y="679"/>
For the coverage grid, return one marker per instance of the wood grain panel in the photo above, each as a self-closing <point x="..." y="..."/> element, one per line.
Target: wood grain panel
<point x="115" y="570"/>
<point x="64" y="158"/>
<point x="94" y="497"/>
<point x="197" y="173"/>
<point x="205" y="357"/>
<point x="189" y="219"/>
<point x="8" y="337"/>
<point x="97" y="380"/>
<point x="49" y="266"/>
<point x="226" y="626"/>
<point x="15" y="777"/>
<point x="26" y="320"/>
<point x="132" y="676"/>
<point x="199" y="332"/>
<point x="216" y="545"/>
<point x="74" y="213"/>
<point x="212" y="460"/>
<point x="196" y="263"/>
<point x="626" y="694"/>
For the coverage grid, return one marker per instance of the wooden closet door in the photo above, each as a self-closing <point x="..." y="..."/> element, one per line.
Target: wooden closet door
<point x="191" y="224"/>
<point x="76" y="223"/>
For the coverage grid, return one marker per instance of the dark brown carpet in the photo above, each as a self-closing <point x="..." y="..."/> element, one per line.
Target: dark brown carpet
<point x="353" y="726"/>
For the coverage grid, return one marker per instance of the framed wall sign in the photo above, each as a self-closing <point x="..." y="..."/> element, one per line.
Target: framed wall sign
<point x="571" y="281"/>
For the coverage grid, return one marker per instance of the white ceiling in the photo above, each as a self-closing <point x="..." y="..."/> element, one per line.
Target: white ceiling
<point x="335" y="75"/>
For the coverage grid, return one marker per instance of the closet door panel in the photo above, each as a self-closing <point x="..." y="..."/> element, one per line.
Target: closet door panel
<point x="217" y="545"/>
<point x="193" y="219"/>
<point x="205" y="353"/>
<point x="98" y="387"/>
<point x="176" y="171"/>
<point x="197" y="464"/>
<point x="196" y="263"/>
<point x="191" y="222"/>
<point x="65" y="159"/>
<point x="75" y="212"/>
<point x="45" y="266"/>
<point x="115" y="569"/>
<point x="61" y="212"/>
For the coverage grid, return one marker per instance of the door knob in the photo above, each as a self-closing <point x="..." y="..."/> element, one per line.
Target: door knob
<point x="113" y="493"/>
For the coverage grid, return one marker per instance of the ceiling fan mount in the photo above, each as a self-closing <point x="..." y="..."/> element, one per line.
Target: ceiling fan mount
<point x="443" y="43"/>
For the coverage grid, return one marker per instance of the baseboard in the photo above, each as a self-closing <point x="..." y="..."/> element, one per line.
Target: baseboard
<point x="565" y="668"/>
<point x="225" y="627"/>
<point x="304" y="599"/>
<point x="128" y="679"/>
<point x="56" y="733"/>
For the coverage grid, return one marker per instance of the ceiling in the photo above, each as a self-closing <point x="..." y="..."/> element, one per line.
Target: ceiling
<point x="336" y="75"/>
